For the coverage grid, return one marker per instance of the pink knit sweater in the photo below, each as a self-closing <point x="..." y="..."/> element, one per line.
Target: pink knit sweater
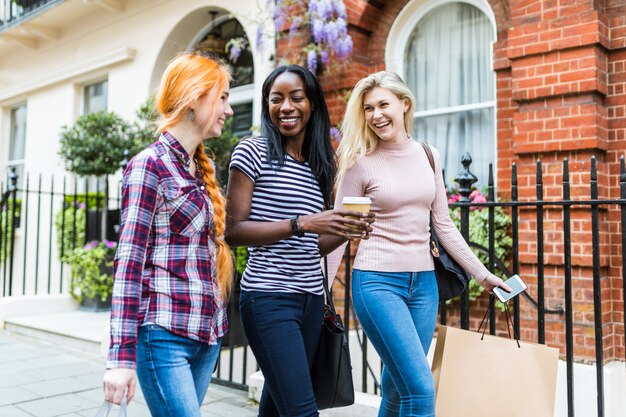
<point x="404" y="192"/>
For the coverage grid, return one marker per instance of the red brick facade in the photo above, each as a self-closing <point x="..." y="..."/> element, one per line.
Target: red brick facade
<point x="561" y="93"/>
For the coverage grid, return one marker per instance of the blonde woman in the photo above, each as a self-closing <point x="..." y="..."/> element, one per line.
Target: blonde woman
<point x="173" y="270"/>
<point x="393" y="284"/>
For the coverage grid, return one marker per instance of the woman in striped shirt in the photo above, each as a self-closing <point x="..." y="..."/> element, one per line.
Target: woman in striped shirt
<point x="278" y="187"/>
<point x="173" y="270"/>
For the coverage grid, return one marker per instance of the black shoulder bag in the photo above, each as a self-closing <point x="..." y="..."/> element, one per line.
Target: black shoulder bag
<point x="451" y="278"/>
<point x="331" y="373"/>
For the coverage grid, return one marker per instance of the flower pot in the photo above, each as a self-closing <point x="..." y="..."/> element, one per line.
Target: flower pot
<point x="95" y="304"/>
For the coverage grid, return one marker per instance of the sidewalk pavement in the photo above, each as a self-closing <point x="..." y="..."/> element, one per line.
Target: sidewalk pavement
<point x="44" y="379"/>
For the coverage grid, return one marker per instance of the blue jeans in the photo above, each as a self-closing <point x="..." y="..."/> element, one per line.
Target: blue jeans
<point x="174" y="372"/>
<point x="283" y="330"/>
<point x="398" y="312"/>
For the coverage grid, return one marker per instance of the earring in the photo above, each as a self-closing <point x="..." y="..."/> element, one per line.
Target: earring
<point x="191" y="115"/>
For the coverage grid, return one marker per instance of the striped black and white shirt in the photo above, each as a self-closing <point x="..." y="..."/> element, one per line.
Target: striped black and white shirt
<point x="280" y="192"/>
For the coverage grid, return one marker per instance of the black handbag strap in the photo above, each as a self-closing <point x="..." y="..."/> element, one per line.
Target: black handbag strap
<point x="329" y="299"/>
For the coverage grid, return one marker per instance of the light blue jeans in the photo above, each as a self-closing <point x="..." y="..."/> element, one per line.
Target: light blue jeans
<point x="398" y="312"/>
<point x="174" y="372"/>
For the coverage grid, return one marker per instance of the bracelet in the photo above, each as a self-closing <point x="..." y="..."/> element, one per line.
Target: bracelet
<point x="295" y="228"/>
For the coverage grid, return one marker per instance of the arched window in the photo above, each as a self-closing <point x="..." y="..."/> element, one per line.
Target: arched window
<point x="213" y="39"/>
<point x="448" y="66"/>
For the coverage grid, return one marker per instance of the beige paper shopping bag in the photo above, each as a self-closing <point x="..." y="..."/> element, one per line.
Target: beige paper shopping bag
<point x="492" y="377"/>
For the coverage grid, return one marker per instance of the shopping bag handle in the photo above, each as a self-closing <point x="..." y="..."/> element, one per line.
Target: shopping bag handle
<point x="106" y="406"/>
<point x="485" y="320"/>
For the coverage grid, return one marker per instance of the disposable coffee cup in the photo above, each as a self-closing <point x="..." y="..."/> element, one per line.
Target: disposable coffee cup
<point x="360" y="204"/>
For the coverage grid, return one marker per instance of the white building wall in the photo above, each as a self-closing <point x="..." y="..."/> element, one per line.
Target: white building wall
<point x="130" y="48"/>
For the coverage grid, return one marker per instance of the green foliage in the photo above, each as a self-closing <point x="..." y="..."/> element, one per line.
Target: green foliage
<point x="241" y="259"/>
<point x="95" y="199"/>
<point x="70" y="226"/>
<point x="95" y="144"/>
<point x="479" y="234"/>
<point x="91" y="268"/>
<point x="70" y="222"/>
<point x="220" y="149"/>
<point x="6" y="225"/>
<point x="143" y="131"/>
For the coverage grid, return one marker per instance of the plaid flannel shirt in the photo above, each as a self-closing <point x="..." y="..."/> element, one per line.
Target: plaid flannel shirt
<point x="165" y="260"/>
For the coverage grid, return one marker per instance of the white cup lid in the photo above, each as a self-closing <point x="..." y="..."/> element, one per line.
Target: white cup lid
<point x="356" y="200"/>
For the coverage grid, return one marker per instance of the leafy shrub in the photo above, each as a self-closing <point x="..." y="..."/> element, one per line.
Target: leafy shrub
<point x="91" y="269"/>
<point x="95" y="144"/>
<point x="6" y="225"/>
<point x="479" y="233"/>
<point x="70" y="222"/>
<point x="220" y="150"/>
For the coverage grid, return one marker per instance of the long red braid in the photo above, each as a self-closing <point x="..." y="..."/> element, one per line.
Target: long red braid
<point x="186" y="78"/>
<point x="224" y="257"/>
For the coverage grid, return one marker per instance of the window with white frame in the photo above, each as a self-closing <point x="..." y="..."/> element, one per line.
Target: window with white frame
<point x="95" y="97"/>
<point x="17" y="142"/>
<point x="448" y="66"/>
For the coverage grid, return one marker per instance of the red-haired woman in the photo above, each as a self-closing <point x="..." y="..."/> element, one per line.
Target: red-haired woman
<point x="173" y="270"/>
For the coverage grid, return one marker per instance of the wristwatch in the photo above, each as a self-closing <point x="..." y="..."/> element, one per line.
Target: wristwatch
<point x="295" y="229"/>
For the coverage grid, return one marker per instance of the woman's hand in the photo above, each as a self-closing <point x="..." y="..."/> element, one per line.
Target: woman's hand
<point x="492" y="282"/>
<point x="117" y="381"/>
<point x="347" y="224"/>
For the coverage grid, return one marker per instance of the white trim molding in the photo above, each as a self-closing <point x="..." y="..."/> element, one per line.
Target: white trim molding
<point x="409" y="17"/>
<point x="68" y="72"/>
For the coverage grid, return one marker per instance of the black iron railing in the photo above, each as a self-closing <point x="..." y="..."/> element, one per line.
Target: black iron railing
<point x="38" y="228"/>
<point x="14" y="11"/>
<point x="37" y="270"/>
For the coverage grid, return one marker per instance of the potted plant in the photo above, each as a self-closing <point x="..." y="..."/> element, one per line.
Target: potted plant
<point x="95" y="144"/>
<point x="91" y="268"/>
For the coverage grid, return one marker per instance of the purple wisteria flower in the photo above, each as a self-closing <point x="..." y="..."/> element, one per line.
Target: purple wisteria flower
<point x="234" y="53"/>
<point x="327" y="20"/>
<point x="279" y="20"/>
<point x="295" y="26"/>
<point x="341" y="26"/>
<point x="311" y="59"/>
<point x="325" y="9"/>
<point x="325" y="58"/>
<point x="340" y="8"/>
<point x="317" y="29"/>
<point x="331" y="33"/>
<point x="344" y="47"/>
<point x="335" y="134"/>
<point x="259" y="38"/>
<point x="234" y="47"/>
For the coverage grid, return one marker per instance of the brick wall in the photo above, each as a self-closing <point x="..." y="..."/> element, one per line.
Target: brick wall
<point x="558" y="64"/>
<point x="561" y="93"/>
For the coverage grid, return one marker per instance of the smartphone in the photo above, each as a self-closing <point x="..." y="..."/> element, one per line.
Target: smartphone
<point x="517" y="286"/>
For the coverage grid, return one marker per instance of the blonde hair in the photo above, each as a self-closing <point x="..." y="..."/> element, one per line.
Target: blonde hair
<point x="187" y="78"/>
<point x="358" y="139"/>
